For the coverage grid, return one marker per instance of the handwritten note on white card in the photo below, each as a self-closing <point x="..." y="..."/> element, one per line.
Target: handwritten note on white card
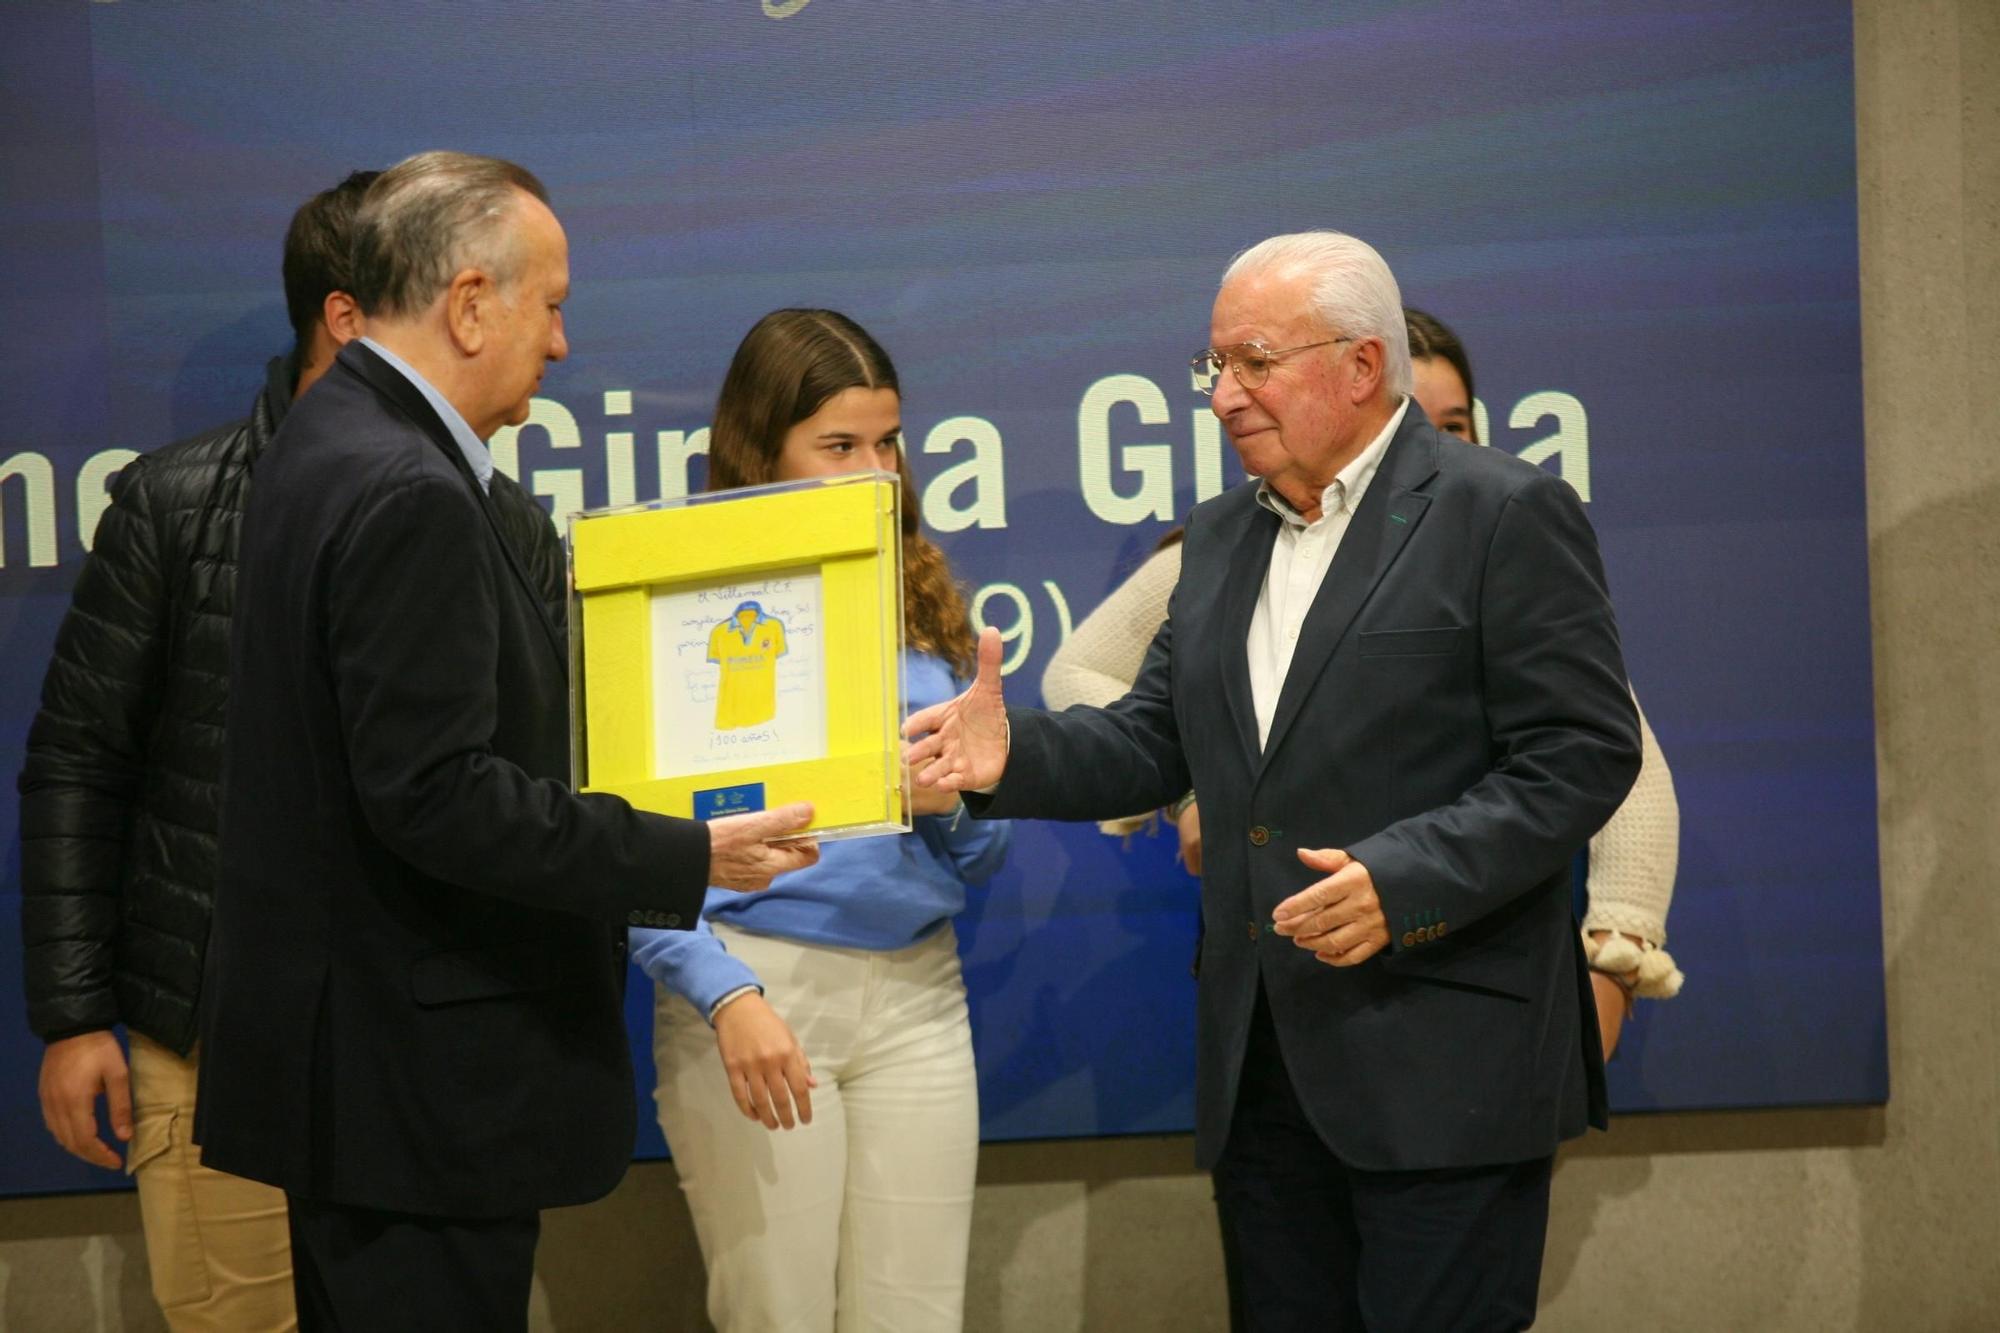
<point x="738" y="674"/>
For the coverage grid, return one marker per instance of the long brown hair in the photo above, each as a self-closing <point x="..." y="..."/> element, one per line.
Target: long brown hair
<point x="784" y="370"/>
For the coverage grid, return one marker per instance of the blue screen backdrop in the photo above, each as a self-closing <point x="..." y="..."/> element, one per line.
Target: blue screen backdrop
<point x="1641" y="218"/>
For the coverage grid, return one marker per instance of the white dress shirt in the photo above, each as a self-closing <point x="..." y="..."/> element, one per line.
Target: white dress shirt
<point x="1299" y="560"/>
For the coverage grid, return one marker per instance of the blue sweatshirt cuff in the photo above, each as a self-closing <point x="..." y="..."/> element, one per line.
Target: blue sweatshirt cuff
<point x="692" y="964"/>
<point x="717" y="977"/>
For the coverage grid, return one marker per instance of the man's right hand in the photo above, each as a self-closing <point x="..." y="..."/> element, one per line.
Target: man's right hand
<point x="740" y="855"/>
<point x="75" y="1072"/>
<point x="961" y="744"/>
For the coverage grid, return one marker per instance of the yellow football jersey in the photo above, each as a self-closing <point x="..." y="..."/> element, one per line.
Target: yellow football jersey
<point x="748" y="655"/>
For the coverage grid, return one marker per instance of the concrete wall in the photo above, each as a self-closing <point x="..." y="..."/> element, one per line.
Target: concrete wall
<point x="1859" y="1219"/>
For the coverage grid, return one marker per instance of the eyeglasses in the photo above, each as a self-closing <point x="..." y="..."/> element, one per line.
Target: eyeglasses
<point x="1252" y="362"/>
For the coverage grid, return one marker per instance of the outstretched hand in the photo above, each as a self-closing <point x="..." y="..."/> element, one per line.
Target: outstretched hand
<point x="961" y="744"/>
<point x="740" y="855"/>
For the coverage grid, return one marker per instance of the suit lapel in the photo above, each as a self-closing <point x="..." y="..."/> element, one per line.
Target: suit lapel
<point x="1375" y="536"/>
<point x="1249" y="561"/>
<point x="558" y="642"/>
<point x="393" y="385"/>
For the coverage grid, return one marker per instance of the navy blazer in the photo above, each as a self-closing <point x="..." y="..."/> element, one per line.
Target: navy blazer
<point x="1456" y="717"/>
<point x="416" y="972"/>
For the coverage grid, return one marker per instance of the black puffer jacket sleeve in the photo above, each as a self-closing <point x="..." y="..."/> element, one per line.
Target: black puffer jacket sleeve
<point x="85" y="765"/>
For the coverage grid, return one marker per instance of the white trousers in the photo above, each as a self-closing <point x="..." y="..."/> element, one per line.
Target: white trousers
<point x="860" y="1220"/>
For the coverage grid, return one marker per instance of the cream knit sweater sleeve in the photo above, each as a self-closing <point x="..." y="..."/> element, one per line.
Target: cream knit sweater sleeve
<point x="1633" y="859"/>
<point x="1101" y="658"/>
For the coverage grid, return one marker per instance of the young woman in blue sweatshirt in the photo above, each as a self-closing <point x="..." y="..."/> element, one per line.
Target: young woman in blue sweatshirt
<point x="830" y="1008"/>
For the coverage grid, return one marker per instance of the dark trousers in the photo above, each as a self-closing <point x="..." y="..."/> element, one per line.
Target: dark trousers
<point x="365" y="1271"/>
<point x="1309" y="1242"/>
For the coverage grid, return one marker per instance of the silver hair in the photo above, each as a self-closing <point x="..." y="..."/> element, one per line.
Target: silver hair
<point x="1353" y="291"/>
<point x="431" y="216"/>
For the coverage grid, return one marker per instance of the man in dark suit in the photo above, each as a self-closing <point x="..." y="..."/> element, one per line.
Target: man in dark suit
<point x="413" y="1023"/>
<point x="1391" y="673"/>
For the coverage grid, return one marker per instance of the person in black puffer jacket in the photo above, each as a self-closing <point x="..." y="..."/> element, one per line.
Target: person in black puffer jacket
<point x="120" y="805"/>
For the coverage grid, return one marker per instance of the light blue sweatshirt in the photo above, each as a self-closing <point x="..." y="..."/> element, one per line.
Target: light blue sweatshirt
<point x="865" y="893"/>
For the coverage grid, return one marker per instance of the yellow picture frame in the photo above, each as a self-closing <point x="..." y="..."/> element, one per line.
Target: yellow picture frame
<point x="692" y="696"/>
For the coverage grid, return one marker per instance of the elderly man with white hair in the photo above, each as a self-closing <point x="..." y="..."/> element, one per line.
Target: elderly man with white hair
<point x="1391" y="674"/>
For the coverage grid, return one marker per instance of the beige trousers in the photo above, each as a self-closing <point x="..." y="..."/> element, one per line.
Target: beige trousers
<point x="860" y="1220"/>
<point x="219" y="1246"/>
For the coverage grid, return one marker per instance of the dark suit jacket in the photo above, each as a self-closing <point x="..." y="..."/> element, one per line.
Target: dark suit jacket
<point x="1456" y="717"/>
<point x="416" y="974"/>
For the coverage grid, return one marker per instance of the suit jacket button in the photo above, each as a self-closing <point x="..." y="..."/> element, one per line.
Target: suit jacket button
<point x="672" y="919"/>
<point x="1254" y="932"/>
<point x="1437" y="931"/>
<point x="1409" y="939"/>
<point x="1259" y="836"/>
<point x="635" y="918"/>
